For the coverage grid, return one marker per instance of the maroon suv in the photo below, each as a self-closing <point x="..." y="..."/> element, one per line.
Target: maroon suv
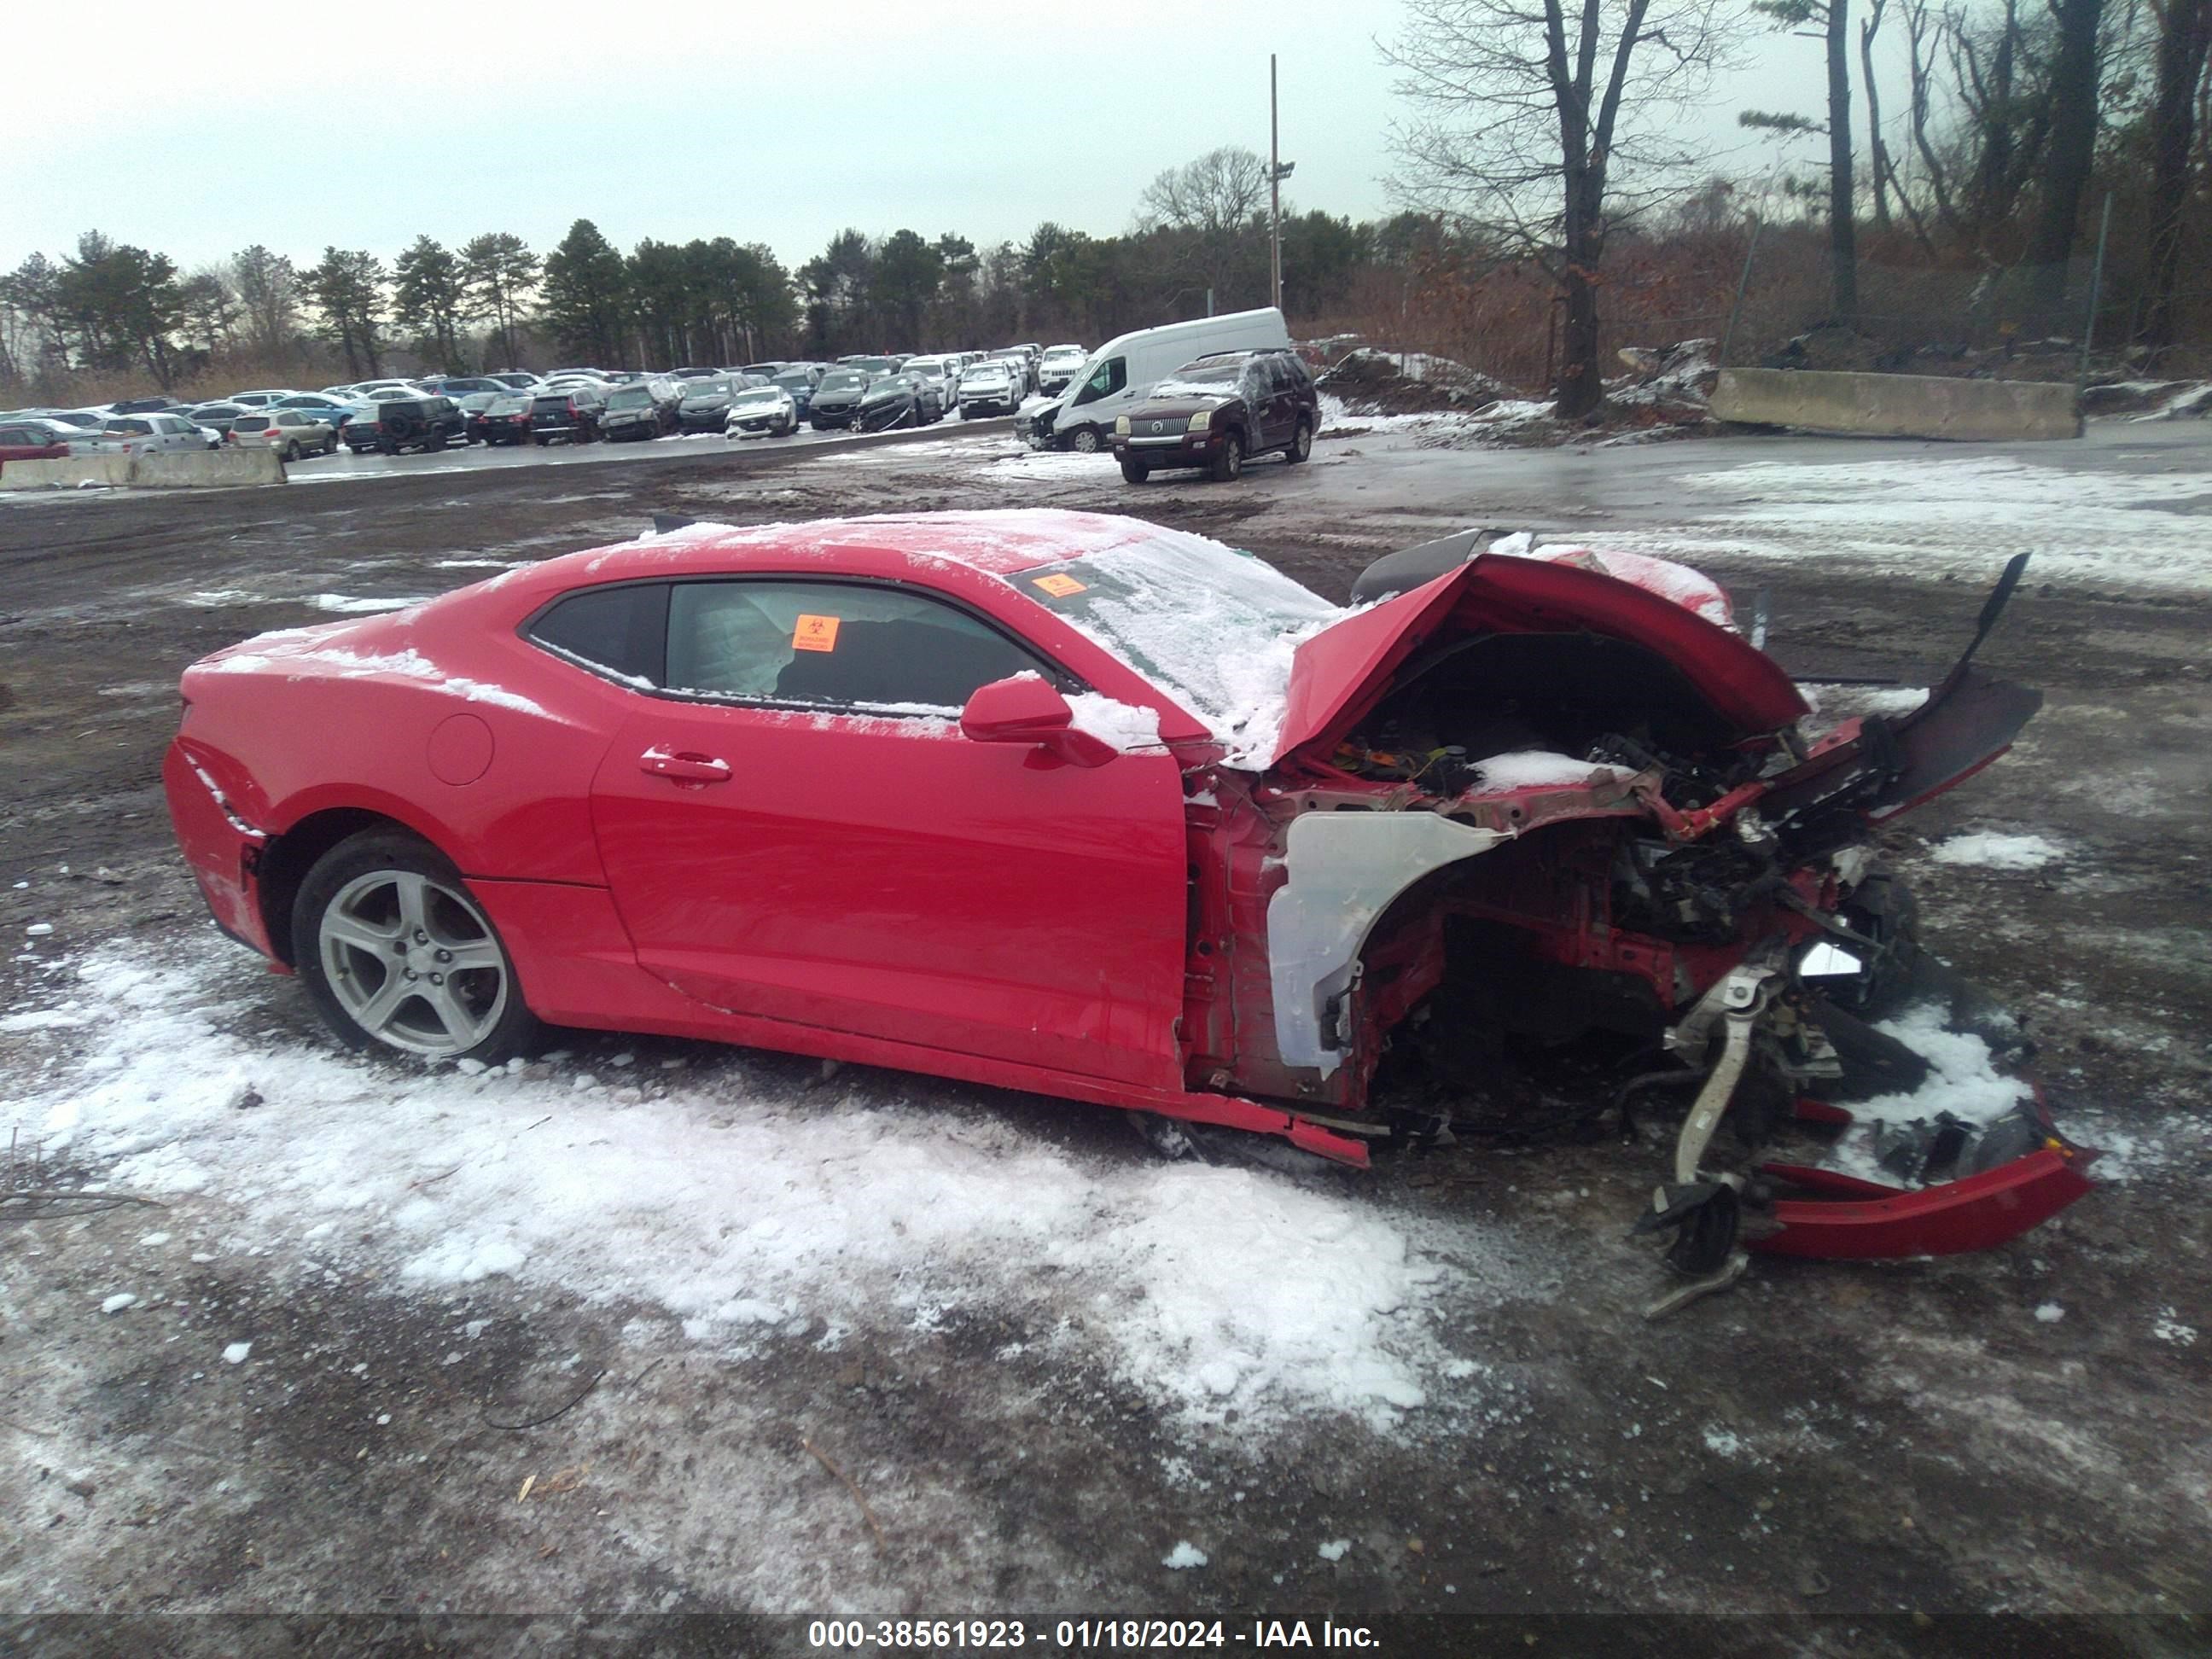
<point x="1219" y="411"/>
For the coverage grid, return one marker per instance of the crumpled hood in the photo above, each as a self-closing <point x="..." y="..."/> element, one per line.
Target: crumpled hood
<point x="1341" y="672"/>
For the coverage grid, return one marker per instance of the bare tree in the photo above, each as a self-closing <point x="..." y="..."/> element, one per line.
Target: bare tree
<point x="1214" y="204"/>
<point x="1544" y="131"/>
<point x="2184" y="45"/>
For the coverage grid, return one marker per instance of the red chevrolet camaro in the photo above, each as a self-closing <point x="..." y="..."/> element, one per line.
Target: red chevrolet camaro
<point x="1079" y="804"/>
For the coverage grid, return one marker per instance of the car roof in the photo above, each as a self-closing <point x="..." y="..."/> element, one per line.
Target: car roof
<point x="999" y="543"/>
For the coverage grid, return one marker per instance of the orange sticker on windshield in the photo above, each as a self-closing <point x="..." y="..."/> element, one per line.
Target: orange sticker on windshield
<point x="815" y="634"/>
<point x="1058" y="586"/>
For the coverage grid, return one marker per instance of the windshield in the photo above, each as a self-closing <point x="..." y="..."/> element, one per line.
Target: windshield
<point x="984" y="372"/>
<point x="844" y="380"/>
<point x="1068" y="355"/>
<point x="1213" y="627"/>
<point x="630" y="396"/>
<point x="715" y="386"/>
<point x="798" y="377"/>
<point x="769" y="398"/>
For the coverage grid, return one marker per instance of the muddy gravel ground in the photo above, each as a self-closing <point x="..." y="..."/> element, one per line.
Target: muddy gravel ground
<point x="1828" y="1458"/>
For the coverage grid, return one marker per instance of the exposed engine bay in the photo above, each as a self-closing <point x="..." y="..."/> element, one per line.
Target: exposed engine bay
<point x="1640" y="893"/>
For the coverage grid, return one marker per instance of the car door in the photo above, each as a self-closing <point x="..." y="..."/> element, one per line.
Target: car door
<point x="800" y="831"/>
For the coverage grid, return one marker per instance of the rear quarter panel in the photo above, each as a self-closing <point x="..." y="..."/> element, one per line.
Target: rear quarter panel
<point x="517" y="735"/>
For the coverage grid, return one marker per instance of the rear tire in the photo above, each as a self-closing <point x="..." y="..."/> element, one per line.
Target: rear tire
<point x="1229" y="460"/>
<point x="1135" y="471"/>
<point x="1301" y="444"/>
<point x="398" y="955"/>
<point x="292" y="452"/>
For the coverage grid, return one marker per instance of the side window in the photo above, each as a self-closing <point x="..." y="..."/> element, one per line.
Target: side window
<point x="835" y="643"/>
<point x="617" y="629"/>
<point x="1107" y="379"/>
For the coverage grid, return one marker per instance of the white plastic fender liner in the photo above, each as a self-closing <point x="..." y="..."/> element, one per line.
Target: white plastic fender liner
<point x="1344" y="868"/>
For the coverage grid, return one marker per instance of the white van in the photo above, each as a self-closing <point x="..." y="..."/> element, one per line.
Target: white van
<point x="1120" y="372"/>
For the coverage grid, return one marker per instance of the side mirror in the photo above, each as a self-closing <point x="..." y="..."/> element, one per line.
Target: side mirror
<point x="1027" y="709"/>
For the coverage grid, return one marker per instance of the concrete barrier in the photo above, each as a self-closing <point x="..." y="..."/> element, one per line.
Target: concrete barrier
<point x="1897" y="405"/>
<point x="199" y="468"/>
<point x="187" y="469"/>
<point x="113" y="471"/>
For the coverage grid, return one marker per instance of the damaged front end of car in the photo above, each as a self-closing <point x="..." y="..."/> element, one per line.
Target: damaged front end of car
<point x="1543" y="848"/>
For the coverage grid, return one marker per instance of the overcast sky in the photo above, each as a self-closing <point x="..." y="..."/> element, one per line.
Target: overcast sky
<point x="196" y="132"/>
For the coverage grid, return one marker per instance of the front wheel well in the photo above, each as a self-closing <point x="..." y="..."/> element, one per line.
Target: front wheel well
<point x="287" y="859"/>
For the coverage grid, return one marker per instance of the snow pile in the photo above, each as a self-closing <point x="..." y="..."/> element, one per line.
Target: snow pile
<point x="1668" y="387"/>
<point x="1991" y="851"/>
<point x="1183" y="1556"/>
<point x="1119" y="725"/>
<point x="752" y="1209"/>
<point x="1373" y="382"/>
<point x="1961" y="1081"/>
<point x="2191" y="402"/>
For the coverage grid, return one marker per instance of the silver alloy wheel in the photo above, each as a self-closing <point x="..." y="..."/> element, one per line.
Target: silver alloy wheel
<point x="1086" y="443"/>
<point x="413" y="962"/>
<point x="1302" y="443"/>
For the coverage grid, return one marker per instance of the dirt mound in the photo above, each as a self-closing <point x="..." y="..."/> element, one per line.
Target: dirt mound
<point x="1374" y="382"/>
<point x="1668" y="386"/>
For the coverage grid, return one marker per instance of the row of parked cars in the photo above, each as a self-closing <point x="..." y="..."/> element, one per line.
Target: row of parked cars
<point x="1208" y="392"/>
<point x="395" y="415"/>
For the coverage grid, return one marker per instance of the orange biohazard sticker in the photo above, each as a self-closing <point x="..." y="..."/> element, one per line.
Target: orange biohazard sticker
<point x="815" y="634"/>
<point x="1058" y="586"/>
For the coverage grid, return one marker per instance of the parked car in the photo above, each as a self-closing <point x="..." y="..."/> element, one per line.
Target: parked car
<point x="837" y="398"/>
<point x="1059" y="365"/>
<point x="759" y="411"/>
<point x="989" y="388"/>
<point x="633" y="412"/>
<point x="870" y="365"/>
<point x="158" y="433"/>
<point x="337" y="410"/>
<point x="30" y="440"/>
<point x="571" y="412"/>
<point x="458" y="386"/>
<point x="392" y="426"/>
<point x="897" y="400"/>
<point x="1219" y="411"/>
<point x="799" y="380"/>
<point x="26" y="431"/>
<point x="293" y="433"/>
<point x="1120" y="372"/>
<point x="157" y="406"/>
<point x="502" y="420"/>
<point x="1289" y="882"/>
<point x="704" y="405"/>
<point x="941" y="373"/>
<point x="218" y="417"/>
<point x="258" y="399"/>
<point x="515" y="379"/>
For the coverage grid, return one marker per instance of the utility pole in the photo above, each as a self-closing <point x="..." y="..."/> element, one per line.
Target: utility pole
<point x="1277" y="170"/>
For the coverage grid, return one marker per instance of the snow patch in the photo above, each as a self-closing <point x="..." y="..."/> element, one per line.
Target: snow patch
<point x="1991" y="851"/>
<point x="741" y="1202"/>
<point x="1119" y="725"/>
<point x="1183" y="1557"/>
